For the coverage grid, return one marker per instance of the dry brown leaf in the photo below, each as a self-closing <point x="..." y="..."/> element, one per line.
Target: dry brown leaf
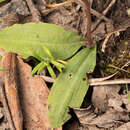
<point x="33" y="94"/>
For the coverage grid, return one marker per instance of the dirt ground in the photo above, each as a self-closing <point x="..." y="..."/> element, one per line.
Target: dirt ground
<point x="105" y="107"/>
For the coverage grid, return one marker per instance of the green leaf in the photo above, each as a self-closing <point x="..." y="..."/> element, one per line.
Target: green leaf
<point x="58" y="65"/>
<point x="29" y="39"/>
<point x="43" y="65"/>
<point x="37" y="67"/>
<point x="51" y="72"/>
<point x="2" y="0"/>
<point x="70" y="87"/>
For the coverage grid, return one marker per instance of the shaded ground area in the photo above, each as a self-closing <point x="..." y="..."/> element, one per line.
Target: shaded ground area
<point x="105" y="107"/>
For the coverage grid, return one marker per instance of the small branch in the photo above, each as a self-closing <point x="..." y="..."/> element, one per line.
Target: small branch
<point x="109" y="35"/>
<point x="110" y="76"/>
<point x="57" y="6"/>
<point x="47" y="79"/>
<point x="100" y="16"/>
<point x="104" y="13"/>
<point x="94" y="82"/>
<point x="35" y="13"/>
<point x="6" y="107"/>
<point x="110" y="82"/>
<point x="120" y="69"/>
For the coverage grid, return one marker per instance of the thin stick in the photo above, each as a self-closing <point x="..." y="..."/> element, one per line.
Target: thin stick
<point x="108" y="77"/>
<point x="110" y="82"/>
<point x="96" y="81"/>
<point x="100" y="16"/>
<point x="56" y="6"/>
<point x="118" y="68"/>
<point x="104" y="13"/>
<point x="93" y="82"/>
<point x="35" y="13"/>
<point x="47" y="79"/>
<point x="66" y="3"/>
<point x="108" y="36"/>
<point x="6" y="107"/>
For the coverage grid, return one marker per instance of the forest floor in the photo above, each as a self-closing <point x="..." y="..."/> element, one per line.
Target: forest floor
<point x="106" y="106"/>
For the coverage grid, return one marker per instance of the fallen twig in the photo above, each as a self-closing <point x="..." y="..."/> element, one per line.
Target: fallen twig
<point x="110" y="82"/>
<point x="114" y="32"/>
<point x="100" y="16"/>
<point x="94" y="82"/>
<point x="119" y="68"/>
<point x="104" y="13"/>
<point x="110" y="76"/>
<point x="99" y="81"/>
<point x="35" y="13"/>
<point x="47" y="79"/>
<point x="56" y="6"/>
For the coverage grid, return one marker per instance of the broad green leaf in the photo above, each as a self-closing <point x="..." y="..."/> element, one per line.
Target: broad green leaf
<point x="29" y="39"/>
<point x="70" y="87"/>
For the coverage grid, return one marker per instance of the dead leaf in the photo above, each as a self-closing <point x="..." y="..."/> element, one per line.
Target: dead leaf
<point x="33" y="94"/>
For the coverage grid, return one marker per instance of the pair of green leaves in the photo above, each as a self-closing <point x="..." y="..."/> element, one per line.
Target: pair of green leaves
<point x="52" y="44"/>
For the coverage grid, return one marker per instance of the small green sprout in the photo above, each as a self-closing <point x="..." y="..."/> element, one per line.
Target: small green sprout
<point x="45" y="62"/>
